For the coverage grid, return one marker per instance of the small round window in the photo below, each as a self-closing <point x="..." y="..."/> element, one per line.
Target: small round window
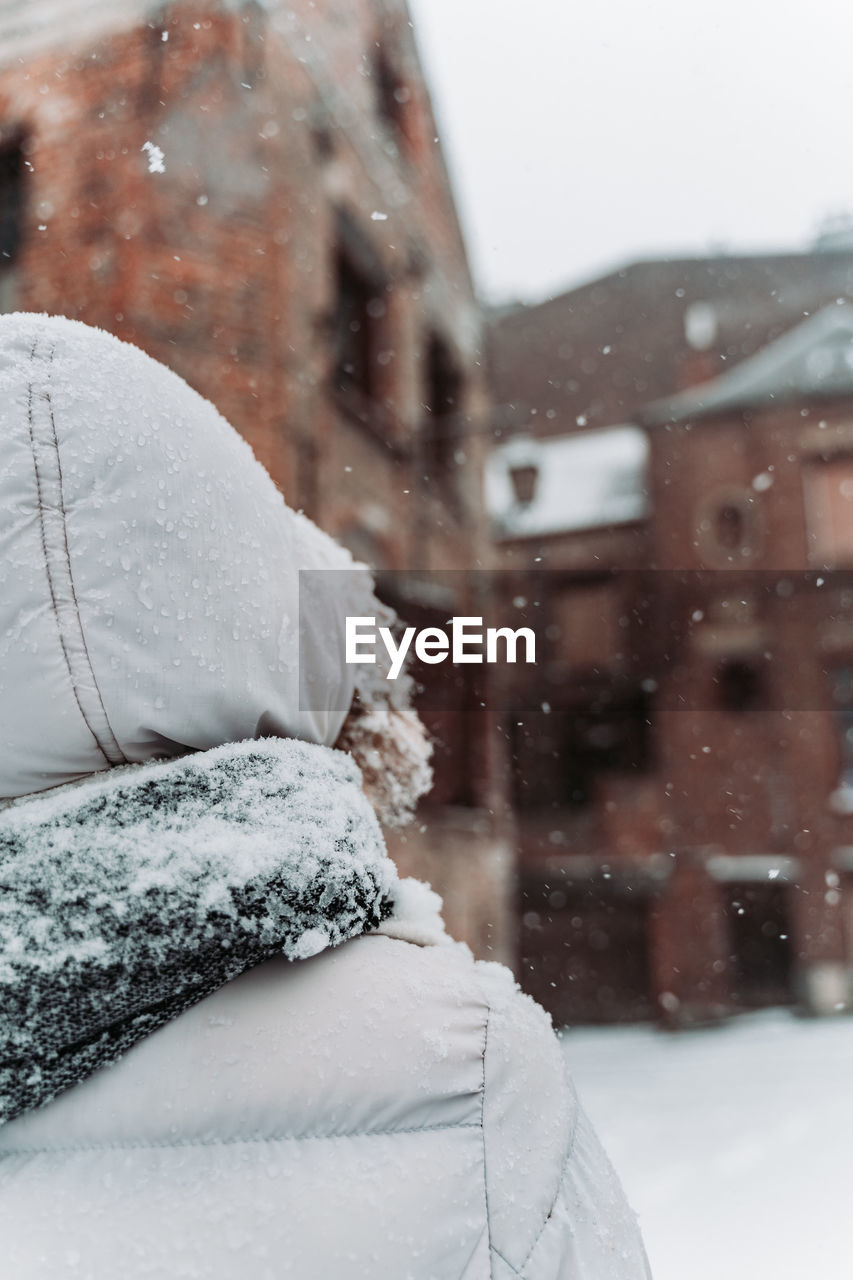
<point x="728" y="528"/>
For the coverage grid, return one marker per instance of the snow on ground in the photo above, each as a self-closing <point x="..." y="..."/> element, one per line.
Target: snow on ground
<point x="734" y="1144"/>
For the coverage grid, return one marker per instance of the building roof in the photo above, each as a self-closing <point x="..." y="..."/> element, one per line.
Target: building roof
<point x="585" y="481"/>
<point x="814" y="359"/>
<point x="597" y="354"/>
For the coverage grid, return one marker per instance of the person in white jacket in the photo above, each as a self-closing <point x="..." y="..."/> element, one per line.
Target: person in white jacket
<point x="232" y="1042"/>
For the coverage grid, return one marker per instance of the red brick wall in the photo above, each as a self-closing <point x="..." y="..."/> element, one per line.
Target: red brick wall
<point x="223" y="267"/>
<point x="719" y="781"/>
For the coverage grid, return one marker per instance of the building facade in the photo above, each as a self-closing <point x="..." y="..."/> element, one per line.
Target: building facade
<point x="682" y="752"/>
<point x="255" y="195"/>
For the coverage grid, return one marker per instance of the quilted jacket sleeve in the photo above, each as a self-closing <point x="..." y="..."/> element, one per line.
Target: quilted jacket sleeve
<point x="556" y="1208"/>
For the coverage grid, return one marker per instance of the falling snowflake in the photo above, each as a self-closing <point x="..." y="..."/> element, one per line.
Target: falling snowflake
<point x="155" y="157"/>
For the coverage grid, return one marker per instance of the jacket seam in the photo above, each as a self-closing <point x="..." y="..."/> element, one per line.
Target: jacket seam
<point x="110" y="751"/>
<point x="493" y="1249"/>
<point x="228" y="1142"/>
<point x="113" y="746"/>
<point x="483" y="1132"/>
<point x="505" y="1261"/>
<point x="41" y="509"/>
<point x="561" y="1177"/>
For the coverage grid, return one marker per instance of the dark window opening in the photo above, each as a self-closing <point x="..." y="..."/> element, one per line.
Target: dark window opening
<point x="357" y="309"/>
<point x="606" y="738"/>
<point x="442" y="443"/>
<point x="524" y="480"/>
<point x="535" y="757"/>
<point x="761" y="949"/>
<point x="392" y="95"/>
<point x="740" y="686"/>
<point x="11" y="202"/>
<point x="323" y="139"/>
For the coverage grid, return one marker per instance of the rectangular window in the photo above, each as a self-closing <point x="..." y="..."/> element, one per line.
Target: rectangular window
<point x="353" y="330"/>
<point x="11" y="217"/>
<point x="762" y="955"/>
<point x="828" y="494"/>
<point x="393" y="97"/>
<point x="442" y="442"/>
<point x="359" y="311"/>
<point x="611" y="735"/>
<point x="11" y="202"/>
<point x="841" y="687"/>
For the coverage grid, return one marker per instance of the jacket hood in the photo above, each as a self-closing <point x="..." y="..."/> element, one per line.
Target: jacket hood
<point x="128" y="897"/>
<point x="149" y="570"/>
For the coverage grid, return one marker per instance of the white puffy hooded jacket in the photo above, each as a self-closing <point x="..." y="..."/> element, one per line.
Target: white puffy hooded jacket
<point x="232" y="1043"/>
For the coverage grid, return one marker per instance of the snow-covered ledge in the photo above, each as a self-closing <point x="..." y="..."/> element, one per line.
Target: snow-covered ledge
<point x="825" y="988"/>
<point x="842" y="858"/>
<point x="841" y="799"/>
<point x="731" y="868"/>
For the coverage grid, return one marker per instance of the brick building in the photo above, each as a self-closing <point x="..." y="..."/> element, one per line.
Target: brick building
<point x="296" y="256"/>
<point x="683" y="748"/>
<point x="590" y="357"/>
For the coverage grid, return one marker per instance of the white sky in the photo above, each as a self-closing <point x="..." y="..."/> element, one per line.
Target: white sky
<point x="583" y="134"/>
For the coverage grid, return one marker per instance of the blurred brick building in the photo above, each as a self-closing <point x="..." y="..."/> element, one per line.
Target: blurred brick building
<point x="296" y="256"/>
<point x="679" y="523"/>
<point x="590" y="357"/>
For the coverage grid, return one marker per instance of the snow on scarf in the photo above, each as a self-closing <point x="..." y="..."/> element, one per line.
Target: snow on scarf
<point x="128" y="897"/>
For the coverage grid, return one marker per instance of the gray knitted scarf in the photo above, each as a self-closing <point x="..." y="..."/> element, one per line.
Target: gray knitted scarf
<point x="128" y="897"/>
